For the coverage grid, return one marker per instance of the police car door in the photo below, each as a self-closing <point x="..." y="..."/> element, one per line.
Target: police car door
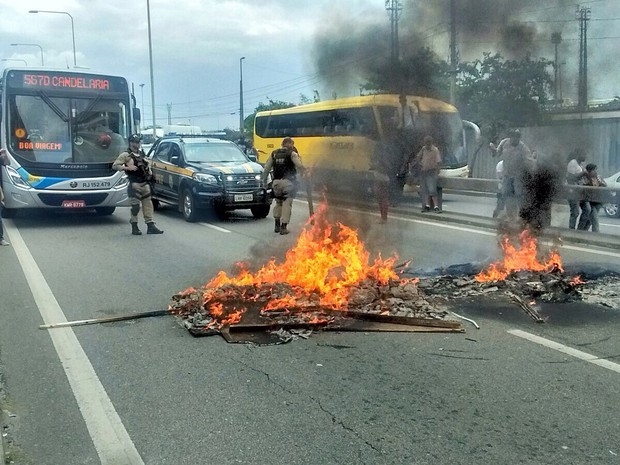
<point x="177" y="170"/>
<point x="162" y="170"/>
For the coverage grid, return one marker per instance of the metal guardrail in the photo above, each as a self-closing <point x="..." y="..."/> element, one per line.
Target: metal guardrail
<point x="593" y="194"/>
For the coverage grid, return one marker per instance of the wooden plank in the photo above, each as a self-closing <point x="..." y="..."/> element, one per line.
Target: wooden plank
<point x="110" y="319"/>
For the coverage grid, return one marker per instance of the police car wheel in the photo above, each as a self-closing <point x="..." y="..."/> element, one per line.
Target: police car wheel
<point x="188" y="206"/>
<point x="611" y="209"/>
<point x="260" y="211"/>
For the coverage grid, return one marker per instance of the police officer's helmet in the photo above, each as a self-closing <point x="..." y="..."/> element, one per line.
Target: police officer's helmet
<point x="135" y="138"/>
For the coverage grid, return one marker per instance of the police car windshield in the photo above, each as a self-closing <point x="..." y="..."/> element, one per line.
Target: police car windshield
<point x="214" y="153"/>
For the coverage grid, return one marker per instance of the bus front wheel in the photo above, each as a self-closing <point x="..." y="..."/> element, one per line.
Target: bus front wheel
<point x="9" y="212"/>
<point x="105" y="211"/>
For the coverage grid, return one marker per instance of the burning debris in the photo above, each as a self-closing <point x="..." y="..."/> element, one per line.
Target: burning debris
<point x="327" y="281"/>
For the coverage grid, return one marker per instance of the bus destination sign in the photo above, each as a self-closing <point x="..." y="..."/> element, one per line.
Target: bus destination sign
<point x="46" y="80"/>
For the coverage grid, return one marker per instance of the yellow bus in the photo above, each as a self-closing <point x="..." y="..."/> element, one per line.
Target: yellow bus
<point x="336" y="138"/>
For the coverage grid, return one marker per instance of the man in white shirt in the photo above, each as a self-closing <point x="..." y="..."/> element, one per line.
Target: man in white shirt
<point x="575" y="171"/>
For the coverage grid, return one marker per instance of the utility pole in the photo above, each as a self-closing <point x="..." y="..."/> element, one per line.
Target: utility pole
<point x="142" y="111"/>
<point x="583" y="16"/>
<point x="453" y="52"/>
<point x="556" y="39"/>
<point x="394" y="9"/>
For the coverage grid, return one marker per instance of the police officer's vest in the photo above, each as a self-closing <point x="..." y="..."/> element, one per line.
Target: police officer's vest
<point x="283" y="166"/>
<point x="142" y="173"/>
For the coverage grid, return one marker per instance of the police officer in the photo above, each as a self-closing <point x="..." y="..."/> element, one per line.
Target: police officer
<point x="134" y="162"/>
<point x="284" y="163"/>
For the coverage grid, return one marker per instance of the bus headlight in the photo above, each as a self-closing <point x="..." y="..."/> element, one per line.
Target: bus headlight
<point x="122" y="182"/>
<point x="16" y="178"/>
<point x="205" y="178"/>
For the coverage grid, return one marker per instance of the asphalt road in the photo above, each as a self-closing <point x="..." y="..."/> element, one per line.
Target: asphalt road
<point x="147" y="392"/>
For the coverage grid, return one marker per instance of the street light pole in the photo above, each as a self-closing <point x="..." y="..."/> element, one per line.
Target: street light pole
<point x="72" y="28"/>
<point x="142" y="92"/>
<point x="15" y="59"/>
<point x="241" y="96"/>
<point x="148" y="20"/>
<point x="32" y="45"/>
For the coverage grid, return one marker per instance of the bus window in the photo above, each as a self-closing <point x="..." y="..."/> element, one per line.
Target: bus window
<point x="38" y="128"/>
<point x="64" y="130"/>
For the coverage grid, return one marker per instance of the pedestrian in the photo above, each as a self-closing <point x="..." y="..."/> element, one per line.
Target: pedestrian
<point x="251" y="151"/>
<point x="381" y="167"/>
<point x="590" y="209"/>
<point x="429" y="161"/>
<point x="516" y="156"/>
<point x="4" y="161"/>
<point x="575" y="171"/>
<point x="499" y="174"/>
<point x="134" y="163"/>
<point x="283" y="164"/>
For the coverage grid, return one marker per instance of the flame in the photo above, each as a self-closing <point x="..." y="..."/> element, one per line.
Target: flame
<point x="326" y="261"/>
<point x="522" y="257"/>
<point x="577" y="281"/>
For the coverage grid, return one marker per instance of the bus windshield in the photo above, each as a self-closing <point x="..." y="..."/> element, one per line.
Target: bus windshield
<point x="68" y="130"/>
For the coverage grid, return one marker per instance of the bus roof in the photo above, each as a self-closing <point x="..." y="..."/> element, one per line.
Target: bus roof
<point x="423" y="103"/>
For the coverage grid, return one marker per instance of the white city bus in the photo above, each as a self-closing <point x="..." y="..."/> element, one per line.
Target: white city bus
<point x="62" y="130"/>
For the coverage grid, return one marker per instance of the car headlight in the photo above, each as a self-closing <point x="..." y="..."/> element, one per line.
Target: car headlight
<point x="205" y="178"/>
<point x="16" y="178"/>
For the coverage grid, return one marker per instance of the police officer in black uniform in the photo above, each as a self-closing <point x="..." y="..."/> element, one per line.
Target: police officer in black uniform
<point x="284" y="164"/>
<point x="134" y="162"/>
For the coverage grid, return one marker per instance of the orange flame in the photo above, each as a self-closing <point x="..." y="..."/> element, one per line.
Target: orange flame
<point x="522" y="257"/>
<point x="325" y="260"/>
<point x="577" y="281"/>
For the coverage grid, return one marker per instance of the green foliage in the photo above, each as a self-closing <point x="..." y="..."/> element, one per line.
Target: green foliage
<point x="248" y="121"/>
<point x="500" y="93"/>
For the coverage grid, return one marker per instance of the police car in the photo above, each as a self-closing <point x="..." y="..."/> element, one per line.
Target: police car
<point x="198" y="172"/>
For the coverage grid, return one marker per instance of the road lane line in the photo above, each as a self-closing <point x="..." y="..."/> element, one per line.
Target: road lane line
<point x="110" y="438"/>
<point x="212" y="226"/>
<point x="566" y="350"/>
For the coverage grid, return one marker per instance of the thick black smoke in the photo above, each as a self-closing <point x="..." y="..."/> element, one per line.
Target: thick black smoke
<point x="348" y="45"/>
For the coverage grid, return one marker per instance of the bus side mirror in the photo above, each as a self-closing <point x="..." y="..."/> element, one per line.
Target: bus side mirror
<point x="137" y="117"/>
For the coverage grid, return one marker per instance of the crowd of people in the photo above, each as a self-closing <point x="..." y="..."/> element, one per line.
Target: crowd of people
<point x="528" y="185"/>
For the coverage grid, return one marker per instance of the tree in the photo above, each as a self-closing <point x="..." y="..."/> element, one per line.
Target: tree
<point x="248" y="121"/>
<point x="500" y="93"/>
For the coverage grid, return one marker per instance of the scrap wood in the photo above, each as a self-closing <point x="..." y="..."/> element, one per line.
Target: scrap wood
<point x="109" y="319"/>
<point x="526" y="307"/>
<point x="403" y="320"/>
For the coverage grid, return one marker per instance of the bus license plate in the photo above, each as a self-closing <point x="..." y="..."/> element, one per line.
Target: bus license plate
<point x="244" y="197"/>
<point x="73" y="203"/>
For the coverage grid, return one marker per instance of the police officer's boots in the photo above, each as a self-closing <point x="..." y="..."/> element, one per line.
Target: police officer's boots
<point x="152" y="229"/>
<point x="135" y="230"/>
<point x="277" y="227"/>
<point x="283" y="229"/>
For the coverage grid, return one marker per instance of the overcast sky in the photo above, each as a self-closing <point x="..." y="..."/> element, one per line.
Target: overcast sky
<point x="197" y="45"/>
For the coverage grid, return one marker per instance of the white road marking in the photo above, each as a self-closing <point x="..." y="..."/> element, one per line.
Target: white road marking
<point x="212" y="226"/>
<point x="566" y="350"/>
<point x="110" y="438"/>
<point x="609" y="225"/>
